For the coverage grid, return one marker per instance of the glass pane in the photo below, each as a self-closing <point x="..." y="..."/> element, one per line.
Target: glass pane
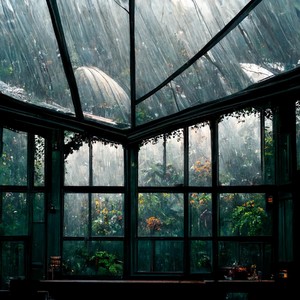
<point x="269" y="149"/>
<point x="160" y="256"/>
<point x="245" y="215"/>
<point x="285" y="228"/>
<point x="168" y="33"/>
<point x="240" y="159"/>
<point x="200" y="214"/>
<point x="237" y="296"/>
<point x="108" y="164"/>
<point x="13" y="160"/>
<point x="201" y="256"/>
<point x="30" y="63"/>
<point x="298" y="133"/>
<point x="245" y="260"/>
<point x="263" y="45"/>
<point x="161" y="161"/>
<point x="77" y="167"/>
<point x="97" y="35"/>
<point x="107" y="214"/>
<point x="12" y="261"/>
<point x="39" y="208"/>
<point x="76" y="213"/>
<point x="14" y="214"/>
<point x="199" y="155"/>
<point x="103" y="258"/>
<point x="39" y="161"/>
<point x="160" y="214"/>
<point x="38" y="250"/>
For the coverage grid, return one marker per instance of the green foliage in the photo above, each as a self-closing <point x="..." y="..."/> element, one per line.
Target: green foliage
<point x="160" y="214"/>
<point x="101" y="263"/>
<point x="106" y="263"/>
<point x="249" y="219"/>
<point x="160" y="175"/>
<point x="204" y="261"/>
<point x="108" y="216"/>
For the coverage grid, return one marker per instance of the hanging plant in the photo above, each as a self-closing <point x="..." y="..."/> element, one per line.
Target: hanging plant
<point x="77" y="140"/>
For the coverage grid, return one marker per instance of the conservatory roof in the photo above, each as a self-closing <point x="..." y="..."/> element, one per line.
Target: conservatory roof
<point x="125" y="63"/>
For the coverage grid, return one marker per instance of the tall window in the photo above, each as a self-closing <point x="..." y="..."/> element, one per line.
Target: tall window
<point x="214" y="198"/>
<point x="22" y="205"/>
<point x="93" y="225"/>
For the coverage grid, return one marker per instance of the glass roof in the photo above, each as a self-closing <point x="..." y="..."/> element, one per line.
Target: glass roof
<point x="124" y="63"/>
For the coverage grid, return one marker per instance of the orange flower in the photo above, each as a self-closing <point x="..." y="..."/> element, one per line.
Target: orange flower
<point x="153" y="223"/>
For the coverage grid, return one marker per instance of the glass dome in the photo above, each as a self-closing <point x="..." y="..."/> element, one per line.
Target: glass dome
<point x="125" y="63"/>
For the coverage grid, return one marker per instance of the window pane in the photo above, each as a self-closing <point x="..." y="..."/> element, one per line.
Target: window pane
<point x="31" y="66"/>
<point x="14" y="217"/>
<point x="160" y="214"/>
<point x="12" y="261"/>
<point x="245" y="260"/>
<point x="13" y="159"/>
<point x="108" y="164"/>
<point x="285" y="228"/>
<point x="38" y="250"/>
<point x="160" y="256"/>
<point x="161" y="161"/>
<point x="269" y="149"/>
<point x="244" y="215"/>
<point x="298" y="133"/>
<point x="39" y="161"/>
<point x="171" y="32"/>
<point x="201" y="256"/>
<point x="103" y="258"/>
<point x="200" y="214"/>
<point x="76" y="215"/>
<point x="199" y="155"/>
<point x="240" y="150"/>
<point x="107" y="214"/>
<point x="77" y="167"/>
<point x="39" y="208"/>
<point x="105" y="161"/>
<point x="97" y="36"/>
